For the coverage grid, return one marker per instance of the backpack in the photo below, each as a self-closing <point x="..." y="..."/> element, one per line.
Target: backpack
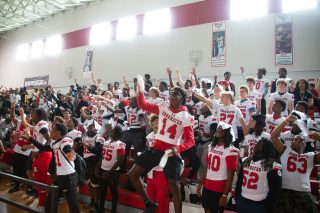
<point x="80" y="167"/>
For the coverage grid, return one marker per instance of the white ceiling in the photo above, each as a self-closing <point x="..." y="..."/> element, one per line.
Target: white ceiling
<point x="18" y="13"/>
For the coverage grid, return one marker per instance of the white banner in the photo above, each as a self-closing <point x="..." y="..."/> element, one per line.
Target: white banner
<point x="37" y="82"/>
<point x="218" y="58"/>
<point x="283" y="40"/>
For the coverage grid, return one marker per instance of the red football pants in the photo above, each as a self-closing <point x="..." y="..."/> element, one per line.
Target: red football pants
<point x="157" y="190"/>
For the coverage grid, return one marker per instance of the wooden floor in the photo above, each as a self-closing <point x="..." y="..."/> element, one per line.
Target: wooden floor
<point x="21" y="197"/>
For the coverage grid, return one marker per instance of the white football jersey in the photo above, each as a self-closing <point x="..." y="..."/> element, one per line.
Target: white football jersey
<point x="228" y="114"/>
<point x="286" y="97"/>
<point x="18" y="144"/>
<point x="110" y="153"/>
<point x="134" y="118"/>
<point x="217" y="163"/>
<point x="171" y="124"/>
<point x="272" y="123"/>
<point x="164" y="95"/>
<point x="62" y="165"/>
<point x="36" y="131"/>
<point x="254" y="95"/>
<point x="246" y="107"/>
<point x="204" y="125"/>
<point x="296" y="170"/>
<point x="92" y="142"/>
<point x="255" y="184"/>
<point x="73" y="134"/>
<point x="287" y="138"/>
<point x="261" y="85"/>
<point x="251" y="140"/>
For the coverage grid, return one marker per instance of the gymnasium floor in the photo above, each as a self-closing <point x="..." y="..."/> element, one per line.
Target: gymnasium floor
<point x="21" y="197"/>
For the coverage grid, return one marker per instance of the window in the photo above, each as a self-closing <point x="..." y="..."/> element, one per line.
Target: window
<point x="53" y="45"/>
<point x="22" y="52"/>
<point x="244" y="9"/>
<point x="157" y="21"/>
<point x="37" y="49"/>
<point x="127" y="28"/>
<point x="294" y="5"/>
<point x="100" y="33"/>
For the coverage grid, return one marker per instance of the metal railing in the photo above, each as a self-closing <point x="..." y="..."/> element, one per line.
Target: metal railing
<point x="54" y="198"/>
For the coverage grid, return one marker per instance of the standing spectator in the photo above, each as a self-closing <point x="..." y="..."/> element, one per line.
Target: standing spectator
<point x="81" y="103"/>
<point x="147" y="79"/>
<point x="227" y="76"/>
<point x="301" y="92"/>
<point x="282" y="74"/>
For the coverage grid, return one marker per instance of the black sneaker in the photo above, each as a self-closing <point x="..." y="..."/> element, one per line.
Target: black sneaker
<point x="14" y="189"/>
<point x="150" y="207"/>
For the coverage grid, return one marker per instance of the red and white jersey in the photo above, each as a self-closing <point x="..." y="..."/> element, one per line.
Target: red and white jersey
<point x="261" y="85"/>
<point x="246" y="107"/>
<point x="62" y="165"/>
<point x="219" y="160"/>
<point x="254" y="95"/>
<point x="164" y="95"/>
<point x="204" y="125"/>
<point x="296" y="170"/>
<point x="110" y="153"/>
<point x="36" y="131"/>
<point x="286" y="97"/>
<point x="20" y="143"/>
<point x="228" y="114"/>
<point x="251" y="140"/>
<point x="171" y="124"/>
<point x="92" y="142"/>
<point x="272" y="122"/>
<point x="287" y="138"/>
<point x="134" y="118"/>
<point x="255" y="183"/>
<point x="73" y="134"/>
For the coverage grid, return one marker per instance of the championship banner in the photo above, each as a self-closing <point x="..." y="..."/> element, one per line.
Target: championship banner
<point x="283" y="40"/>
<point x="87" y="64"/>
<point x="37" y="82"/>
<point x="218" y="58"/>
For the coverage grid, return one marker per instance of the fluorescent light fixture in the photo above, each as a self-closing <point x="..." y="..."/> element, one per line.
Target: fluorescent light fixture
<point x="127" y="28"/>
<point x="22" y="52"/>
<point x="37" y="49"/>
<point x="100" y="33"/>
<point x="295" y="5"/>
<point x="157" y="21"/>
<point x="245" y="9"/>
<point x="53" y="45"/>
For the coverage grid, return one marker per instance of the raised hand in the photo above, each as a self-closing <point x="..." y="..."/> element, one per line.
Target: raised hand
<point x="242" y="69"/>
<point x="169" y="70"/>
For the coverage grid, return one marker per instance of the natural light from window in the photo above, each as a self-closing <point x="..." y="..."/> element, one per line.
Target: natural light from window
<point x="53" y="45"/>
<point x="37" y="49"/>
<point x="245" y="9"/>
<point x="157" y="21"/>
<point x="100" y="33"/>
<point x="295" y="5"/>
<point x="22" y="52"/>
<point x="127" y="28"/>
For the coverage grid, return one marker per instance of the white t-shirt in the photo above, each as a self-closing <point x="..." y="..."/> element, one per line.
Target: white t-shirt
<point x="62" y="165"/>
<point x="110" y="153"/>
<point x="296" y="170"/>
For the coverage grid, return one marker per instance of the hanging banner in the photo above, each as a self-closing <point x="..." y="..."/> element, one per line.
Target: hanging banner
<point x="87" y="68"/>
<point x="218" y="58"/>
<point x="283" y="40"/>
<point x="37" y="82"/>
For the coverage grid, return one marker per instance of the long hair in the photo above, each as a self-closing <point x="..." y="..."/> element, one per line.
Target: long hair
<point x="305" y="82"/>
<point x="227" y="139"/>
<point x="267" y="154"/>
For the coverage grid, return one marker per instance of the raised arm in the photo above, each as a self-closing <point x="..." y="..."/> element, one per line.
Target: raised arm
<point x="169" y="72"/>
<point x="243" y="73"/>
<point x="278" y="145"/>
<point x="204" y="99"/>
<point x="194" y="73"/>
<point x="180" y="81"/>
<point x="145" y="105"/>
<point x="13" y="114"/>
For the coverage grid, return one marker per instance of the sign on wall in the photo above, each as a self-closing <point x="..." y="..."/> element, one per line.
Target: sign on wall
<point x="218" y="58"/>
<point x="37" y="82"/>
<point x="283" y="40"/>
<point x="87" y="68"/>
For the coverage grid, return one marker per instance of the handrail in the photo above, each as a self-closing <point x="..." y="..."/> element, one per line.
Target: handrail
<point x="50" y="188"/>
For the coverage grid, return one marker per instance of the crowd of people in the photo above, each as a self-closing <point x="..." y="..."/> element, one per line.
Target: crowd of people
<point x="238" y="145"/>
